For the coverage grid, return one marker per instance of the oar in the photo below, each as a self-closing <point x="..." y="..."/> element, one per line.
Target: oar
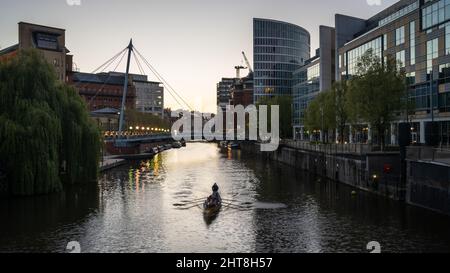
<point x="197" y="205"/>
<point x="193" y="201"/>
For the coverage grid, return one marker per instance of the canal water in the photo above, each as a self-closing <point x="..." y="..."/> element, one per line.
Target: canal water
<point x="154" y="206"/>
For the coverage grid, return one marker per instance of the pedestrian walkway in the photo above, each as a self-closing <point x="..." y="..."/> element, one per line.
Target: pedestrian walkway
<point x="110" y="162"/>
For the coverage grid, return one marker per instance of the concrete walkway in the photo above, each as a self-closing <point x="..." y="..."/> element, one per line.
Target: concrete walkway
<point x="110" y="162"/>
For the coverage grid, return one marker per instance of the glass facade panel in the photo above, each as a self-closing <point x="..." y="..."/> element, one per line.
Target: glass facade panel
<point x="279" y="49"/>
<point x="435" y="13"/>
<point x="412" y="39"/>
<point x="400" y="36"/>
<point x="354" y="55"/>
<point x="432" y="53"/>
<point x="400" y="57"/>
<point x="406" y="10"/>
<point x="305" y="89"/>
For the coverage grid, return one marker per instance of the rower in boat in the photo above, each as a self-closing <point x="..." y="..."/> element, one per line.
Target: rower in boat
<point x="214" y="201"/>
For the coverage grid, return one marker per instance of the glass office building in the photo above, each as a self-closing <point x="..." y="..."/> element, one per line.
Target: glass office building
<point x="417" y="34"/>
<point x="279" y="49"/>
<point x="306" y="86"/>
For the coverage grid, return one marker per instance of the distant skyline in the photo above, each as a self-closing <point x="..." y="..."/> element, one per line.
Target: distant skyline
<point x="192" y="43"/>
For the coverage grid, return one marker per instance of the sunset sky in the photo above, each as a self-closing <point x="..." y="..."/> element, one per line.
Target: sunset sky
<point x="192" y="43"/>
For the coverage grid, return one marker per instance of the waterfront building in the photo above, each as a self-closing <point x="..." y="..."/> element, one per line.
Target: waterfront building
<point x="242" y="91"/>
<point x="103" y="90"/>
<point x="48" y="41"/>
<point x="149" y="94"/>
<point x="224" y="92"/>
<point x="279" y="49"/>
<point x="416" y="33"/>
<point x="317" y="75"/>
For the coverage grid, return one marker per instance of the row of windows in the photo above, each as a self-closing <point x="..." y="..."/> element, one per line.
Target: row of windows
<point x="406" y="10"/>
<point x="273" y="82"/>
<point x="306" y="89"/>
<point x="435" y="14"/>
<point x="264" y="28"/>
<point x="279" y="59"/>
<point x="281" y="42"/>
<point x="276" y="66"/>
<point x="306" y="75"/>
<point x="281" y="90"/>
<point x="273" y="74"/>
<point x="281" y="50"/>
<point x="353" y="56"/>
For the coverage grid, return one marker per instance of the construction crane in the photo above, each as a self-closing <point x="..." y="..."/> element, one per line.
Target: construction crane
<point x="248" y="63"/>
<point x="238" y="70"/>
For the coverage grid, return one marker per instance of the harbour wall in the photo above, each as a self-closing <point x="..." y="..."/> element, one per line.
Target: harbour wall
<point x="374" y="172"/>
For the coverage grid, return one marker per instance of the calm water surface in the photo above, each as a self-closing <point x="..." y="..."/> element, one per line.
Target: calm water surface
<point x="153" y="206"/>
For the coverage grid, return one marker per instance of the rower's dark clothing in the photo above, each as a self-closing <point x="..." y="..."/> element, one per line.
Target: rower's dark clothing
<point x="216" y="197"/>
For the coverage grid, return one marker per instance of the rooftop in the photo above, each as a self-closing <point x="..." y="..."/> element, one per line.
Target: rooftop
<point x="9" y="49"/>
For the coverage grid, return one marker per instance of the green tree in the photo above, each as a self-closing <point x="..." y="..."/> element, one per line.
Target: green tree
<point x="135" y="118"/>
<point x="321" y="113"/>
<point x="376" y="93"/>
<point x="46" y="136"/>
<point x="340" y="92"/>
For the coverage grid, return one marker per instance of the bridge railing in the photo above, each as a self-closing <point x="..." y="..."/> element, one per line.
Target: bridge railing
<point x="133" y="135"/>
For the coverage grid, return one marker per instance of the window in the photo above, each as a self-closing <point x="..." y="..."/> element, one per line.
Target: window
<point x="411" y="78"/>
<point x="435" y="14"/>
<point x="447" y="38"/>
<point x="432" y="53"/>
<point x="400" y="56"/>
<point x="400" y="36"/>
<point x="412" y="38"/>
<point x="385" y="42"/>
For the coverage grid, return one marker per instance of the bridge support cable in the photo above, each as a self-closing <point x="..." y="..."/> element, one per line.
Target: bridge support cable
<point x="104" y="66"/>
<point x="141" y="70"/>
<point x="107" y="79"/>
<point x="169" y="87"/>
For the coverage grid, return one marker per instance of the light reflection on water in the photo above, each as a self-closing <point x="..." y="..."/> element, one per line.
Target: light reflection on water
<point x="155" y="206"/>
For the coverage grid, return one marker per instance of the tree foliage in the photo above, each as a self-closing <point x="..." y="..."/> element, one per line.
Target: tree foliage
<point x="46" y="136"/>
<point x="374" y="95"/>
<point x="321" y="112"/>
<point x="377" y="92"/>
<point x="135" y="118"/>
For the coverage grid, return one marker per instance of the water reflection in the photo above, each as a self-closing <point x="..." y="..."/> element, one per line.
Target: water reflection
<point x="156" y="206"/>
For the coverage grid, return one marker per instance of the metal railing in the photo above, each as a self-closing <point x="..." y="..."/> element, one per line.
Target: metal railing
<point x="352" y="149"/>
<point x="422" y="153"/>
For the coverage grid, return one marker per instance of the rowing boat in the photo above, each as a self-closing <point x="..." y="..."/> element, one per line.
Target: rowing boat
<point x="211" y="207"/>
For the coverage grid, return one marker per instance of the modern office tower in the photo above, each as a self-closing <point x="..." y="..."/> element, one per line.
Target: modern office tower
<point x="317" y="75"/>
<point x="279" y="49"/>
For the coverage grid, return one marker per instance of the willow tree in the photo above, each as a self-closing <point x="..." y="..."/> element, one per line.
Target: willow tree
<point x="377" y="93"/>
<point x="46" y="136"/>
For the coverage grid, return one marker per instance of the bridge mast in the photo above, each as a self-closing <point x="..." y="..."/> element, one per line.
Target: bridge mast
<point x="125" y="89"/>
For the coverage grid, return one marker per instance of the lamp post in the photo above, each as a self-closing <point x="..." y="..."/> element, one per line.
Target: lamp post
<point x="322" y="131"/>
<point x="431" y="97"/>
